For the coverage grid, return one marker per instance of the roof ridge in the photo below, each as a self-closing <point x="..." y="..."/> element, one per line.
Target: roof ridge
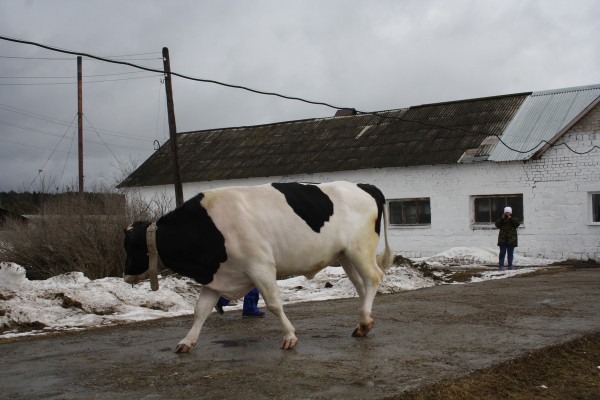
<point x="360" y="114"/>
<point x="471" y="100"/>
<point x="566" y="90"/>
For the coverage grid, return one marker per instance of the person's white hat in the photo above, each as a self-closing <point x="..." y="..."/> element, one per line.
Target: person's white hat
<point x="508" y="210"/>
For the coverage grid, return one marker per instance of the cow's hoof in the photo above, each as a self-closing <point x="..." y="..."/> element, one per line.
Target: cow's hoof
<point x="362" y="330"/>
<point x="182" y="348"/>
<point x="288" y="344"/>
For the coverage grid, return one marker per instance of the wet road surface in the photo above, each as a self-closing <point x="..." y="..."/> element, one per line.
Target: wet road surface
<point x="419" y="337"/>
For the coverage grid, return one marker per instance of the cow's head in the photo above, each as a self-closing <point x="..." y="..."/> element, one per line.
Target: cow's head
<point x="136" y="263"/>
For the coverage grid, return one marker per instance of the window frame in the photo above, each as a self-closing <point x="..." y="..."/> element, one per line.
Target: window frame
<point x="474" y="212"/>
<point x="594" y="209"/>
<point x="417" y="208"/>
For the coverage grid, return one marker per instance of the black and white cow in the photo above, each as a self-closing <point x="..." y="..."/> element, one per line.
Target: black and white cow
<point x="236" y="238"/>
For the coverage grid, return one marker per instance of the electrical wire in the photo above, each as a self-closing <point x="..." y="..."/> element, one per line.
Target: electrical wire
<point x="75" y="83"/>
<point x="158" y="114"/>
<point x="135" y="55"/>
<point x="261" y="92"/>
<point x="39" y="58"/>
<point x="67" y="158"/>
<point x="52" y="153"/>
<point x="91" y="56"/>
<point x="71" y="58"/>
<point x="46" y="118"/>
<point x="70" y="76"/>
<point x="30" y="145"/>
<point x="102" y="140"/>
<point x="13" y="125"/>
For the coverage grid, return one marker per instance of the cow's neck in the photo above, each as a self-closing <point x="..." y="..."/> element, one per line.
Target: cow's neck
<point x="153" y="257"/>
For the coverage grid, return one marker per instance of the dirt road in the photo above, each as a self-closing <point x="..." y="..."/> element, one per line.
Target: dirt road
<point x="419" y="337"/>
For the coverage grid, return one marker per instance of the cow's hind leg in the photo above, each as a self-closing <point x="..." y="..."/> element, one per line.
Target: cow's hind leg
<point x="353" y="276"/>
<point x="371" y="275"/>
<point x="203" y="308"/>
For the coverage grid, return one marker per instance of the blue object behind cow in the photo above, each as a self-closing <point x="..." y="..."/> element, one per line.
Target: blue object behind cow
<point x="236" y="238"/>
<point x="250" y="305"/>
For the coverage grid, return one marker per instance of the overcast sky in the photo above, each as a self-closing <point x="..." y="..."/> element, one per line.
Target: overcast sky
<point x="370" y="55"/>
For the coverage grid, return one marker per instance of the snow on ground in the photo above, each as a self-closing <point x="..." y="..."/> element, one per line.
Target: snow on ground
<point x="71" y="301"/>
<point x="465" y="257"/>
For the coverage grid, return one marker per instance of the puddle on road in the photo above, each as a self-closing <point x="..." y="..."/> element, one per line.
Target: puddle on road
<point x="235" y="343"/>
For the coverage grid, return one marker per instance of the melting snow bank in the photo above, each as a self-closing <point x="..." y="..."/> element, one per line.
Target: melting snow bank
<point x="466" y="257"/>
<point x="71" y="301"/>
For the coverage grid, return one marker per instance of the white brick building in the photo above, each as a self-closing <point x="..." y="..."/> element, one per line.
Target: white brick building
<point x="444" y="186"/>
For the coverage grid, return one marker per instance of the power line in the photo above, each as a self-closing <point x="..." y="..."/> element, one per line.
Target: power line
<point x="103" y="142"/>
<point x="13" y="125"/>
<point x="91" y="56"/>
<point x="240" y="87"/>
<point x="71" y="59"/>
<point x="67" y="157"/>
<point x="469" y="132"/>
<point x="56" y="121"/>
<point x="52" y="153"/>
<point x="30" y="145"/>
<point x="137" y="54"/>
<point x="75" y="83"/>
<point x="38" y="58"/>
<point x="70" y="76"/>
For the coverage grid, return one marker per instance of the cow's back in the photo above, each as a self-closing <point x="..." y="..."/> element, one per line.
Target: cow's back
<point x="301" y="228"/>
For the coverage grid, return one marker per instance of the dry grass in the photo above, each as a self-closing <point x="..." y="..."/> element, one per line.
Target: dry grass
<point x="71" y="234"/>
<point x="566" y="371"/>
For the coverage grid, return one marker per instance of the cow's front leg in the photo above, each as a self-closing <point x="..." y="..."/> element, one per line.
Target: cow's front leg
<point x="270" y="292"/>
<point x="204" y="305"/>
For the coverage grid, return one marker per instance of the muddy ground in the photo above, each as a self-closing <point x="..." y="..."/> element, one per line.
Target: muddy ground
<point x="420" y="337"/>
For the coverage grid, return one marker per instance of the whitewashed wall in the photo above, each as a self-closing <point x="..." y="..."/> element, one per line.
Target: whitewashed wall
<point x="556" y="198"/>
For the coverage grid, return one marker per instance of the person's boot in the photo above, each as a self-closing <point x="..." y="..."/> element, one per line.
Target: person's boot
<point x="258" y="314"/>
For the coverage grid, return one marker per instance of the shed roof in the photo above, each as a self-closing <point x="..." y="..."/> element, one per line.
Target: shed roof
<point x="440" y="133"/>
<point x="542" y="119"/>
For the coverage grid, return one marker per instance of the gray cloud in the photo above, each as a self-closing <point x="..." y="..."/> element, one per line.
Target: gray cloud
<point x="369" y="55"/>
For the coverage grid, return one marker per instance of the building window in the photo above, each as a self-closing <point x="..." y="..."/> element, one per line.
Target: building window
<point x="487" y="209"/>
<point x="410" y="211"/>
<point x="595" y="203"/>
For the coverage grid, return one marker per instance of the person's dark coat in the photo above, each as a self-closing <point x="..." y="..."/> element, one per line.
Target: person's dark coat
<point x="508" y="231"/>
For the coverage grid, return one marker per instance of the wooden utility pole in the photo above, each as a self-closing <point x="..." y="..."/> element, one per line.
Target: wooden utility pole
<point x="80" y="122"/>
<point x="172" y="127"/>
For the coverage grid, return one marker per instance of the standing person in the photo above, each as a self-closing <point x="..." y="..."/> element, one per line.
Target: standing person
<point x="250" y="308"/>
<point x="507" y="237"/>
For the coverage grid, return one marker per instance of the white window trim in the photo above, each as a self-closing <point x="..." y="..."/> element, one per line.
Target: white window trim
<point x="481" y="226"/>
<point x="413" y="226"/>
<point x="590" y="211"/>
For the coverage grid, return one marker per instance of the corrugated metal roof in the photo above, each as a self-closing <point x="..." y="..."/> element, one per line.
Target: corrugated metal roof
<point x="542" y="116"/>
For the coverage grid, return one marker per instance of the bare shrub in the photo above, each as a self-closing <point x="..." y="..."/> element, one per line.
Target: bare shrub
<point x="140" y="209"/>
<point x="70" y="233"/>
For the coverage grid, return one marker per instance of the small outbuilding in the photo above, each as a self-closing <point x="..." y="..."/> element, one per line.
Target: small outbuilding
<point x="447" y="169"/>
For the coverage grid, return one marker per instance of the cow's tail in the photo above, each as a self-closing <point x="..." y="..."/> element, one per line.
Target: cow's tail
<point x="385" y="260"/>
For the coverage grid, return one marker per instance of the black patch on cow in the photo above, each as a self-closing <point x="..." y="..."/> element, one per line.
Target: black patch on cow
<point x="308" y="202"/>
<point x="379" y="199"/>
<point x="189" y="242"/>
<point x="135" y="248"/>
